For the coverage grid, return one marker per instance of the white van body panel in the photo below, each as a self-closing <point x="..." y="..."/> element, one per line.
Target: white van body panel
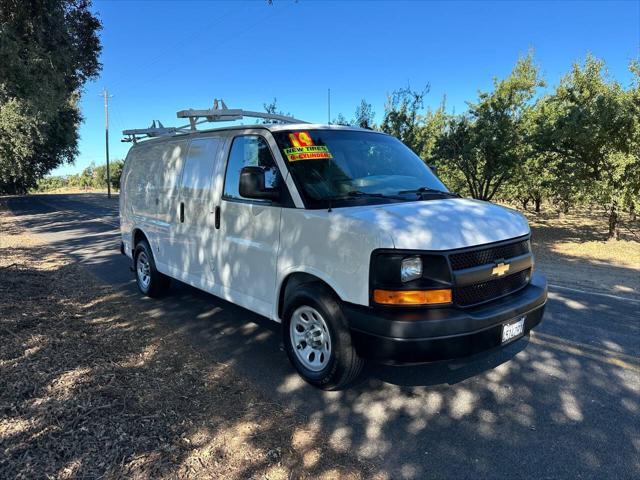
<point x="194" y="238"/>
<point x="258" y="246"/>
<point x="172" y="157"/>
<point x="334" y="246"/>
<point x="445" y="224"/>
<point x="246" y="253"/>
<point x="143" y="204"/>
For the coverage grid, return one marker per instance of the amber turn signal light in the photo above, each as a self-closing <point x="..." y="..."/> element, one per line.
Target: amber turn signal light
<point x="412" y="297"/>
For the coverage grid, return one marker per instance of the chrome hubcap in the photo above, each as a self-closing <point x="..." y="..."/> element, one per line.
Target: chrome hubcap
<point x="310" y="338"/>
<point x="144" y="270"/>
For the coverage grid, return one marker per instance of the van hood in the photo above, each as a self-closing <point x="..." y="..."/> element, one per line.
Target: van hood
<point x="444" y="224"/>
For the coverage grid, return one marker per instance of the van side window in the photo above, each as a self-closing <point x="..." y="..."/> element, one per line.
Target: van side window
<point x="197" y="175"/>
<point x="249" y="151"/>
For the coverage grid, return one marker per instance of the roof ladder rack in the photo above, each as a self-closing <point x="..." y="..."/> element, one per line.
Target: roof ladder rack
<point x="153" y="131"/>
<point x="225" y="114"/>
<point x="219" y="113"/>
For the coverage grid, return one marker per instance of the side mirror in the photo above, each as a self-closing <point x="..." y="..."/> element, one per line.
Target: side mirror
<point x="252" y="185"/>
<point x="434" y="169"/>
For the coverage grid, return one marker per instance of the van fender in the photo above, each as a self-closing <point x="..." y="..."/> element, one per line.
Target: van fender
<point x="137" y="232"/>
<point x="284" y="275"/>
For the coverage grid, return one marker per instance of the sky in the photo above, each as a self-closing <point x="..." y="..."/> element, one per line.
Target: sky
<point x="163" y="56"/>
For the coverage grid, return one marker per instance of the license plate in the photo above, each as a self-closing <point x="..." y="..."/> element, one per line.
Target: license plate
<point x="512" y="330"/>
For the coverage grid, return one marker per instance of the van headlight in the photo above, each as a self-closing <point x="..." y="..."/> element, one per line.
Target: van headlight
<point x="409" y="278"/>
<point x="410" y="269"/>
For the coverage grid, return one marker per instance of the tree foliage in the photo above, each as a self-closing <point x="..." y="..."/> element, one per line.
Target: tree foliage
<point x="91" y="177"/>
<point x="403" y="116"/>
<point x="591" y="124"/>
<point x="48" y="50"/>
<point x="365" y="115"/>
<point x="487" y="143"/>
<point x="578" y="143"/>
<point x="273" y="109"/>
<point x="340" y="120"/>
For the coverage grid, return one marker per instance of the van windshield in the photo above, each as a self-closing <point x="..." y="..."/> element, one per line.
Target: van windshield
<point x="346" y="167"/>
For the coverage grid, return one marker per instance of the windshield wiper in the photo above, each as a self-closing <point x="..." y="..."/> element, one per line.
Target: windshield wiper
<point x="422" y="190"/>
<point x="359" y="193"/>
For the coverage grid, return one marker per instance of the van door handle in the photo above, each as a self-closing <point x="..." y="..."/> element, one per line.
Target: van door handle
<point x="181" y="212"/>
<point x="216" y="217"/>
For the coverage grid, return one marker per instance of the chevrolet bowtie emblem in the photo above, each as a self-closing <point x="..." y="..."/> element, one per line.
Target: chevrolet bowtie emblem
<point x="500" y="269"/>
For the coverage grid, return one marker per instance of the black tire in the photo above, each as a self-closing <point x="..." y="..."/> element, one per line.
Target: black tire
<point x="157" y="283"/>
<point x="344" y="365"/>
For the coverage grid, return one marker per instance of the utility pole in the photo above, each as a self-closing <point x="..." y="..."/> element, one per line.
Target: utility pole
<point x="106" y="96"/>
<point x="329" y="106"/>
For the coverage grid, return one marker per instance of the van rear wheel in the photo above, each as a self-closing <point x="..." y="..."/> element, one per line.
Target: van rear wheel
<point x="149" y="280"/>
<point x="317" y="339"/>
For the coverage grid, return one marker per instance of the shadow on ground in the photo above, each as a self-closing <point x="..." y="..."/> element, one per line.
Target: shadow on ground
<point x="566" y="405"/>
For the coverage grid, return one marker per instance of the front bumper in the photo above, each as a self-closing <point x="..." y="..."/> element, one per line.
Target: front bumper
<point x="403" y="335"/>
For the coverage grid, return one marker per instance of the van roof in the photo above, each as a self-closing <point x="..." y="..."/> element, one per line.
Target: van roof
<point x="276" y="127"/>
<point x="272" y="127"/>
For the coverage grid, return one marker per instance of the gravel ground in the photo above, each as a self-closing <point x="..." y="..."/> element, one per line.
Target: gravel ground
<point x="91" y="388"/>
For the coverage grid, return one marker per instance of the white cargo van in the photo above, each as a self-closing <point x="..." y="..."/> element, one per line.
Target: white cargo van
<point x="342" y="235"/>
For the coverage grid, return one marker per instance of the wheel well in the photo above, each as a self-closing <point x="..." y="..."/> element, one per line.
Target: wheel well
<point x="138" y="236"/>
<point x="292" y="281"/>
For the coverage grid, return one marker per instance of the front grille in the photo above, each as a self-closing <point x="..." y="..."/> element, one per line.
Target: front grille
<point x="483" y="292"/>
<point x="473" y="258"/>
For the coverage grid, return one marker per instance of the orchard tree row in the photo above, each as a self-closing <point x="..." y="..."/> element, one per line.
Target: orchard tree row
<point x="577" y="143"/>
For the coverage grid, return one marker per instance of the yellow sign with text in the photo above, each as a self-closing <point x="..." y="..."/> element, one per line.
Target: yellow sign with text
<point x="311" y="152"/>
<point x="303" y="148"/>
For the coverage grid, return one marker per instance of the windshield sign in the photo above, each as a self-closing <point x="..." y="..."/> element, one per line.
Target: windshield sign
<point x="303" y="148"/>
<point x="347" y="167"/>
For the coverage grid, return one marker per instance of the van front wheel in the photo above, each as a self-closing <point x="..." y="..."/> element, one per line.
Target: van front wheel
<point x="149" y="280"/>
<point x="317" y="340"/>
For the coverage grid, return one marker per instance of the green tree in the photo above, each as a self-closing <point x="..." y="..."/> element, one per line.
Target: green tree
<point x="452" y="150"/>
<point x="631" y="196"/>
<point x="116" y="172"/>
<point x="432" y="128"/>
<point x="92" y="176"/>
<point x="365" y="115"/>
<point x="487" y="143"/>
<point x="86" y="177"/>
<point x="340" y="120"/>
<point x="48" y="49"/>
<point x="532" y="182"/>
<point x="273" y="109"/>
<point x="48" y="184"/>
<point x="536" y="177"/>
<point x="592" y="125"/>
<point x="99" y="175"/>
<point x="403" y="117"/>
